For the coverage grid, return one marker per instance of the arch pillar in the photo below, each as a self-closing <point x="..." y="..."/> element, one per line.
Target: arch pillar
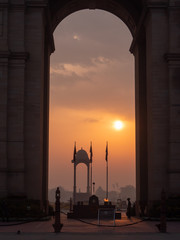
<point x="74" y="188"/>
<point x="157" y="36"/>
<point x="173" y="61"/>
<point x="88" y="179"/>
<point x="155" y="153"/>
<point x="139" y="50"/>
<point x="4" y="62"/>
<point x="34" y="102"/>
<point x="13" y="58"/>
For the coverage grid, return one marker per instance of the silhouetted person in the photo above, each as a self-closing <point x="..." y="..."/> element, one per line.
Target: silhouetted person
<point x="142" y="208"/>
<point x="129" y="208"/>
<point x="158" y="226"/>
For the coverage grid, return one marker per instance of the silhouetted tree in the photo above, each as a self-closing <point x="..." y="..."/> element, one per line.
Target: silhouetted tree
<point x="128" y="191"/>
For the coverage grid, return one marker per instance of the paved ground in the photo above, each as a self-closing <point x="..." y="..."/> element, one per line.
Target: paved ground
<point x="76" y="230"/>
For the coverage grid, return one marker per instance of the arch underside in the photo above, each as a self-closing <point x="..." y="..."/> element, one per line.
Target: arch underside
<point x="128" y="11"/>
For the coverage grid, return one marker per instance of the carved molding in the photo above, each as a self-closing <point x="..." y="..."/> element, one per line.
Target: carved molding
<point x="19" y="55"/>
<point x="17" y="7"/>
<point x="92" y="5"/>
<point x="3" y="170"/>
<point x="172" y="58"/>
<point x="37" y="3"/>
<point x="14" y="55"/>
<point x="161" y="4"/>
<point x="138" y="30"/>
<point x="174" y="171"/>
<point x="4" y="5"/>
<point x="4" y="54"/>
<point x="29" y="3"/>
<point x="6" y="170"/>
<point x="157" y="4"/>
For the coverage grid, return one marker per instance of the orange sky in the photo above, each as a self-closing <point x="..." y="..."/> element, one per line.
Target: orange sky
<point x="92" y="85"/>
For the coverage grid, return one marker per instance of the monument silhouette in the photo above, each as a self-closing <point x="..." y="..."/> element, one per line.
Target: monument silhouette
<point x="81" y="157"/>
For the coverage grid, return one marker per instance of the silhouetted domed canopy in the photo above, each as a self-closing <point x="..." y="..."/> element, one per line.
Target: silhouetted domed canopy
<point x="82" y="157"/>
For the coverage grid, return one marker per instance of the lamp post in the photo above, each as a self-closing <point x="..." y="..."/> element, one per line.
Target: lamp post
<point x="106" y="171"/>
<point x="57" y="225"/>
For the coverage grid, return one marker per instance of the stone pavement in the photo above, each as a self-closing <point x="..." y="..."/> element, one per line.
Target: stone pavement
<point x="76" y="230"/>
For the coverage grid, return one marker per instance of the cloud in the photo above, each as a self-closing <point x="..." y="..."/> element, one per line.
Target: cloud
<point x="98" y="64"/>
<point x="105" y="84"/>
<point x="68" y="69"/>
<point x="95" y="35"/>
<point x="102" y="60"/>
<point x="91" y="120"/>
<point x="96" y="73"/>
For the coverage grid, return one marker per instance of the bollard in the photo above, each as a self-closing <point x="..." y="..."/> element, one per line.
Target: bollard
<point x="163" y="213"/>
<point x="57" y="225"/>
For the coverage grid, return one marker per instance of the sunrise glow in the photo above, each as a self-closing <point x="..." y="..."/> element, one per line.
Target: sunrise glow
<point x="89" y="101"/>
<point x="118" y="125"/>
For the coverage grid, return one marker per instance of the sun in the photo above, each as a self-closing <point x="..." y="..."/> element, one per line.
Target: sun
<point x="118" y="125"/>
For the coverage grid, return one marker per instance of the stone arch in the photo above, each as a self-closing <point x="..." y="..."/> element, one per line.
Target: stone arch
<point x="24" y="72"/>
<point x="127" y="11"/>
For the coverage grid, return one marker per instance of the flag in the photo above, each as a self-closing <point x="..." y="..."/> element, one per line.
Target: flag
<point x="74" y="157"/>
<point x="91" y="154"/>
<point x="106" y="151"/>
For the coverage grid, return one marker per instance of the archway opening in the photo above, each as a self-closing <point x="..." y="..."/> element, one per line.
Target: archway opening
<point x="81" y="178"/>
<point x="92" y="86"/>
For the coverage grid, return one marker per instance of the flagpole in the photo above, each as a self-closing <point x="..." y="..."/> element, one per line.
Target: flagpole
<point x="74" y="161"/>
<point x="106" y="170"/>
<point x="106" y="179"/>
<point x="91" y="164"/>
<point x="91" y="178"/>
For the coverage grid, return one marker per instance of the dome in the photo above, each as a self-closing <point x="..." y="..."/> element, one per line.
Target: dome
<point x="82" y="155"/>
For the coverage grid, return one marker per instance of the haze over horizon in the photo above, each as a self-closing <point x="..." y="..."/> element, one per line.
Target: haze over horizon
<point x="92" y="85"/>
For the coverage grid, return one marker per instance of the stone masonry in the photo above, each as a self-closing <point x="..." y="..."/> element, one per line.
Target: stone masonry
<point x="26" y="43"/>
